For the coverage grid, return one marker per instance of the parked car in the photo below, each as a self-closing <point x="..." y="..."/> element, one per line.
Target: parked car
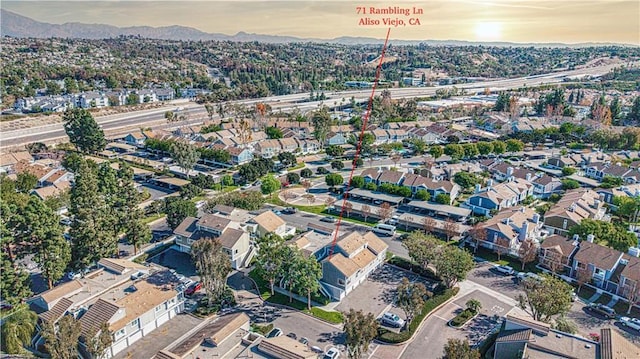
<point x="392" y="320"/>
<point x="292" y="335"/>
<point x="290" y="210"/>
<point x="193" y="288"/>
<point x="602" y="310"/>
<point x="522" y="276"/>
<point x="275" y="332"/>
<point x="328" y="219"/>
<point x="574" y="296"/>
<point x="304" y="340"/>
<point x="246" y="186"/>
<point x="505" y="270"/>
<point x="633" y="323"/>
<point x="332" y="353"/>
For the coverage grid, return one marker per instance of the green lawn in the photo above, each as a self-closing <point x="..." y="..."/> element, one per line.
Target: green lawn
<point x="153" y="217"/>
<point x="318" y="209"/>
<point x="296" y="167"/>
<point x="505" y="260"/>
<point x="262" y="329"/>
<point x="279" y="298"/>
<point x="462" y="318"/>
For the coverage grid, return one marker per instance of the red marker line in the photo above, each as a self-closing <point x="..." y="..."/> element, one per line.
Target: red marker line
<point x="359" y="147"/>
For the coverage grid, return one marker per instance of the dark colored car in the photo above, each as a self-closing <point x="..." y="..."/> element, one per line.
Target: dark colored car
<point x="292" y="335"/>
<point x="290" y="210"/>
<point x="328" y="219"/>
<point x="602" y="310"/>
<point x="193" y="288"/>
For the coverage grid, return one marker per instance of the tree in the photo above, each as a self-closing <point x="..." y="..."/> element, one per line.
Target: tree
<point x="334" y="151"/>
<point x="605" y="233"/>
<point x="269" y="185"/>
<point x="348" y="207"/>
<point x="333" y="179"/>
<point x="359" y="330"/>
<point x="452" y="265"/>
<point x="63" y="342"/>
<point x="499" y="147"/>
<point x="137" y="232"/>
<point x="25" y="182"/>
<point x="99" y="340"/>
<point x="385" y="211"/>
<point x="365" y="211"/>
<point x="14" y="281"/>
<point x="179" y="209"/>
<point x="93" y="230"/>
<point x="568" y="171"/>
<point x="514" y="145"/>
<point x="634" y="115"/>
<point x="479" y="234"/>
<point x="568" y="184"/>
<point x="610" y="182"/>
<point x="474" y="305"/>
<point x="357" y="181"/>
<point x="396" y="157"/>
<point x="583" y="276"/>
<point x="270" y="258"/>
<point x="459" y="349"/>
<point x="170" y="116"/>
<point x="213" y="266"/>
<point x="436" y="151"/>
<point x="465" y="180"/>
<point x="546" y="298"/>
<point x="627" y="206"/>
<point x="287" y="159"/>
<point x="454" y="150"/>
<point x="185" y="155"/>
<point x="422" y="248"/>
<point x="306" y="184"/>
<point x="429" y="224"/>
<point x="293" y="177"/>
<point x="41" y="228"/>
<point x="83" y="131"/>
<point x="18" y="328"/>
<point x="306" y="173"/>
<point x="321" y="121"/>
<point x="450" y="228"/>
<point x="484" y="148"/>
<point x="501" y="246"/>
<point x="273" y="132"/>
<point x="631" y="291"/>
<point x="410" y="298"/>
<point x="443" y="198"/>
<point x="337" y="165"/>
<point x="527" y="252"/>
<point x="470" y="150"/>
<point x="563" y="324"/>
<point x="308" y="274"/>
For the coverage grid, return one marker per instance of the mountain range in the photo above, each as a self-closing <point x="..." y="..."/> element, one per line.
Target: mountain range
<point x="16" y="25"/>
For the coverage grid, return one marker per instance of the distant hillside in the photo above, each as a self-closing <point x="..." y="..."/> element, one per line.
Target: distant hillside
<point x="16" y="25"/>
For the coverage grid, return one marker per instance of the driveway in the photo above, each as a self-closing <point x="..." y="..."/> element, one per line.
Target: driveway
<point x="377" y="293"/>
<point x="160" y="338"/>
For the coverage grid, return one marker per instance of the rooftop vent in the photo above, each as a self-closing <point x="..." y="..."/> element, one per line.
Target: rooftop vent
<point x="558" y="335"/>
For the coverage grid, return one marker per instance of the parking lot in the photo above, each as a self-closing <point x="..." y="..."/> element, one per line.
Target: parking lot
<point x="179" y="261"/>
<point x="377" y="294"/>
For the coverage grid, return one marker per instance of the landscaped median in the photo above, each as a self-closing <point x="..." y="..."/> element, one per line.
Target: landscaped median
<point x="462" y="318"/>
<point x="432" y="303"/>
<point x="332" y="317"/>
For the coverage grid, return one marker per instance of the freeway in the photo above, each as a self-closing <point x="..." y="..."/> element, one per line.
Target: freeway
<point x="119" y="124"/>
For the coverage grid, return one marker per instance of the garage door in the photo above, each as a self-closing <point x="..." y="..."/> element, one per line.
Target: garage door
<point x="135" y="337"/>
<point x="162" y="319"/>
<point x="148" y="328"/>
<point x="118" y="347"/>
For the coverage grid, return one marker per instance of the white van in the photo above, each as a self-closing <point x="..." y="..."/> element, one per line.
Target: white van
<point x="385" y="229"/>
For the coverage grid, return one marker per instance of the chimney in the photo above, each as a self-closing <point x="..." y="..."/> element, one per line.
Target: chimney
<point x="507" y="221"/>
<point x="509" y="171"/>
<point x="590" y="238"/>
<point x="576" y="237"/>
<point x="489" y="183"/>
<point x="536" y="218"/>
<point x="572" y="207"/>
<point x="522" y="236"/>
<point x="522" y="209"/>
<point x="596" y="204"/>
<point x="528" y="177"/>
<point x="477" y="188"/>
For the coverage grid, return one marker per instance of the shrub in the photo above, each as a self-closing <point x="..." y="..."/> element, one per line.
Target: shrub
<point x="462" y="318"/>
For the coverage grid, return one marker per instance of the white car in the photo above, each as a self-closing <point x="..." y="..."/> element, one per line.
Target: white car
<point x="505" y="270"/>
<point x="392" y="320"/>
<point x="332" y="353"/>
<point x="633" y="323"/>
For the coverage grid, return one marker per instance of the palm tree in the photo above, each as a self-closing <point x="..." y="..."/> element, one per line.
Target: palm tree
<point x="17" y="329"/>
<point x="474" y="305"/>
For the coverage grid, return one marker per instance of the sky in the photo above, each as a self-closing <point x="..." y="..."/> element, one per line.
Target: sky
<point x="566" y="21"/>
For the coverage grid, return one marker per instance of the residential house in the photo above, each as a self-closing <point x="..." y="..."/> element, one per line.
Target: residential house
<point x="512" y="226"/>
<point x="575" y="205"/>
<point x="337" y="138"/>
<point x="92" y="100"/>
<point x="560" y="162"/>
<point x="608" y="194"/>
<point x="425" y="135"/>
<point x="544" y="186"/>
<point x="167" y="94"/>
<point x="9" y="160"/>
<point x="397" y="135"/>
<point x="235" y="241"/>
<point x="600" y="262"/>
<point x="600" y="170"/>
<point x="434" y="188"/>
<point x="308" y="146"/>
<point x="629" y="274"/>
<point x="50" y="191"/>
<point x="288" y="144"/>
<point x="390" y="177"/>
<point x="356" y="256"/>
<point x="240" y="155"/>
<point x="269" y="222"/>
<point x="137" y="311"/>
<point x="557" y="252"/>
<point x="495" y="198"/>
<point x="268" y="148"/>
<point x="380" y="136"/>
<point x="147" y="96"/>
<point x="135" y="139"/>
<point x="521" y="337"/>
